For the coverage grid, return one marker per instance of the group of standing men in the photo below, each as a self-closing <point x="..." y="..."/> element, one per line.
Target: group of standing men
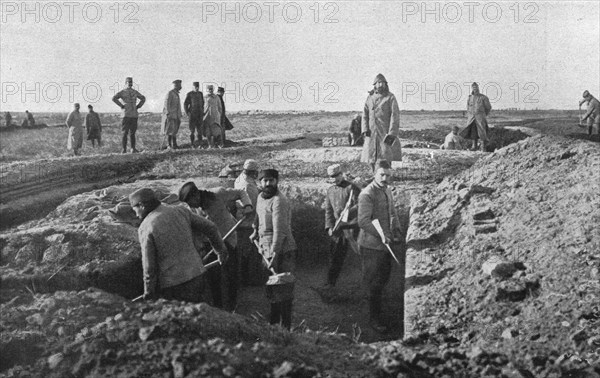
<point x="206" y="115"/>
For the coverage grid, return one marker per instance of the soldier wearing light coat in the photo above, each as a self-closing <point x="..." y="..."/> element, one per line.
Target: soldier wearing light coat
<point x="75" y="125"/>
<point x="171" y="116"/>
<point x="593" y="112"/>
<point x="213" y="111"/>
<point x="478" y="108"/>
<point x="380" y="125"/>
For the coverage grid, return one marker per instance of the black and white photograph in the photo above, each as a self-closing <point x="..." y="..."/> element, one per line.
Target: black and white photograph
<point x="300" y="189"/>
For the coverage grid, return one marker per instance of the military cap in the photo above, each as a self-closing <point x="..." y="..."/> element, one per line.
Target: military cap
<point x="90" y="106"/>
<point x="176" y="81"/>
<point x="196" y="83"/>
<point x="383" y="164"/>
<point x="334" y="170"/>
<point x="251" y="165"/>
<point x="128" y="79"/>
<point x="475" y="84"/>
<point x="221" y="89"/>
<point x="210" y="86"/>
<point x="186" y="190"/>
<point x="269" y="174"/>
<point x="141" y="195"/>
<point x="586" y="93"/>
<point x="379" y="77"/>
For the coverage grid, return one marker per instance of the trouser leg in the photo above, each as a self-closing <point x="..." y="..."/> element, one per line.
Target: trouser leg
<point x="124" y="140"/>
<point x="286" y="314"/>
<point x="376" y="273"/>
<point x="230" y="279"/>
<point x="132" y="139"/>
<point x="339" y="249"/>
<point x="174" y="141"/>
<point x="275" y="315"/>
<point x="213" y="276"/>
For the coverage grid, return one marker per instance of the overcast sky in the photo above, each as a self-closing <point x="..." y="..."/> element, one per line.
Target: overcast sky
<point x="300" y="55"/>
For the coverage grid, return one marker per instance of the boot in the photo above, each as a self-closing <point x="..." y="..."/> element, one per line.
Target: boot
<point x="170" y="141"/>
<point x="175" y="142"/>
<point x="375" y="314"/>
<point x="132" y="140"/>
<point x="275" y="316"/>
<point x="192" y="140"/>
<point x="286" y="314"/>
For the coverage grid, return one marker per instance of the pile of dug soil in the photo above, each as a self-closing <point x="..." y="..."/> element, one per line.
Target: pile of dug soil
<point x="515" y="241"/>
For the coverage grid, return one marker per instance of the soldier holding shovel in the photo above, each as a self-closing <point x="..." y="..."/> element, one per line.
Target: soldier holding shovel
<point x="341" y="207"/>
<point x="273" y="230"/>
<point x="172" y="266"/>
<point x="380" y="240"/>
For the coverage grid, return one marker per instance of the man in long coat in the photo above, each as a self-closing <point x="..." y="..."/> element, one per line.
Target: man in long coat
<point x="93" y="126"/>
<point x="171" y="116"/>
<point x="380" y="123"/>
<point x="75" y="125"/>
<point x="212" y="116"/>
<point x="194" y="108"/>
<point x="593" y="112"/>
<point x="225" y="124"/>
<point x="478" y="107"/>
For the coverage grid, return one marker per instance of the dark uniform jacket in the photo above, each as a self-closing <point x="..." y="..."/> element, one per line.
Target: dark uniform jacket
<point x="376" y="202"/>
<point x="336" y="200"/>
<point x="194" y="103"/>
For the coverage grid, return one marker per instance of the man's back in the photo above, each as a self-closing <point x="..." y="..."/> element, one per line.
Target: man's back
<point x="168" y="229"/>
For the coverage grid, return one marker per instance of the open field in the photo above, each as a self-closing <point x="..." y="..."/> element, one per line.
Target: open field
<point x="532" y="204"/>
<point x="51" y="142"/>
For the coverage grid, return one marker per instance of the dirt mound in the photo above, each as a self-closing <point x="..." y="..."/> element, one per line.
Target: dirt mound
<point x="515" y="241"/>
<point x="92" y="333"/>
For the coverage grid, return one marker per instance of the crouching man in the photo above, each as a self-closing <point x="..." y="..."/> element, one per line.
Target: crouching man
<point x="172" y="266"/>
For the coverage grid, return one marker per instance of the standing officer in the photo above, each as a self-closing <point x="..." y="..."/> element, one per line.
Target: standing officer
<point x="376" y="202"/>
<point x="194" y="108"/>
<point x="130" y="112"/>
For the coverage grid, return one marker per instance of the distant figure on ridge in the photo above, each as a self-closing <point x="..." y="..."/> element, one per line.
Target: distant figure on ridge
<point x="93" y="126"/>
<point x="194" y="108"/>
<point x="75" y="125"/>
<point x="453" y="141"/>
<point x="130" y="108"/>
<point x="593" y="112"/>
<point x="171" y="115"/>
<point x="380" y="125"/>
<point x="478" y="108"/>
<point x="212" y="116"/>
<point x="354" y="135"/>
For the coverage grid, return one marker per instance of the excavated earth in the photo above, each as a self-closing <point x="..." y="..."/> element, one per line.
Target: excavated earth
<point x="502" y="278"/>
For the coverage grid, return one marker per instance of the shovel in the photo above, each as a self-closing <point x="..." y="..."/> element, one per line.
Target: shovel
<point x="382" y="235"/>
<point x="228" y="234"/>
<point x="580" y="118"/>
<point x="207" y="266"/>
